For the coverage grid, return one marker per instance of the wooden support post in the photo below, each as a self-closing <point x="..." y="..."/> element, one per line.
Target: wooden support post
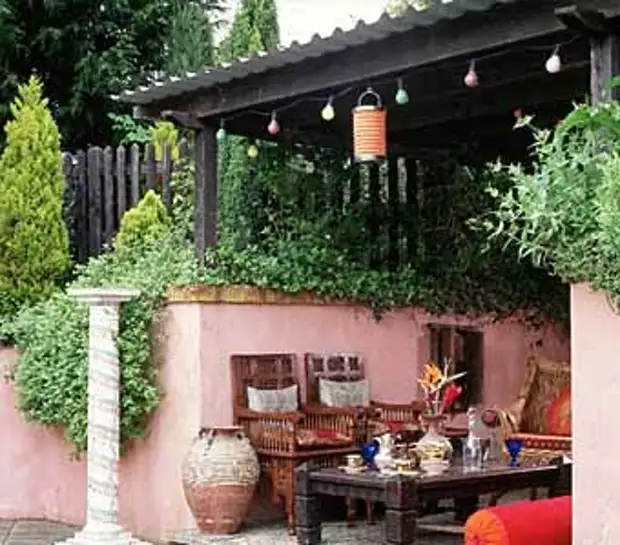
<point x="604" y="66"/>
<point x="206" y="206"/>
<point x="604" y="47"/>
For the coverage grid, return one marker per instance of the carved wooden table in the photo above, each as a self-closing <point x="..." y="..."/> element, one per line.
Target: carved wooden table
<point x="403" y="496"/>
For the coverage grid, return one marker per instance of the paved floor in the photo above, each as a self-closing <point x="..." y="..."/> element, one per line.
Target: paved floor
<point x="33" y="532"/>
<point x="265" y="532"/>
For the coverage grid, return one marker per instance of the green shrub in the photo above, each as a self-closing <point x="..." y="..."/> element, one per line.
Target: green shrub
<point x="34" y="244"/>
<point x="52" y="378"/>
<point x="148" y="221"/>
<point x="562" y="212"/>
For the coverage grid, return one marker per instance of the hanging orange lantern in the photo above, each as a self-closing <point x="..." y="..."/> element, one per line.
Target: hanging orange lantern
<point x="369" y="128"/>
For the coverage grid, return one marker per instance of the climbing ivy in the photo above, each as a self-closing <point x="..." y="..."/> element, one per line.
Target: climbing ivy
<point x="52" y="375"/>
<point x="301" y="230"/>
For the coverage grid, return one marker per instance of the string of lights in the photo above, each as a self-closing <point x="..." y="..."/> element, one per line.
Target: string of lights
<point x="471" y="80"/>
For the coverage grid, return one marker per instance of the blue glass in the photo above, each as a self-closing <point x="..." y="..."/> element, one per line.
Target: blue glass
<point x="514" y="447"/>
<point x="369" y="451"/>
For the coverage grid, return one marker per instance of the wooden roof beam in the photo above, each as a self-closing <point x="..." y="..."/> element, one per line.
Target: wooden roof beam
<point x="584" y="21"/>
<point x="466" y="36"/>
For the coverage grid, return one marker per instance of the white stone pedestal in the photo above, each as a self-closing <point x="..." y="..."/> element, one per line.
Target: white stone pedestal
<point x="102" y="526"/>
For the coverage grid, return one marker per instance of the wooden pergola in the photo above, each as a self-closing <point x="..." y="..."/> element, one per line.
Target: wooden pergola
<point x="430" y="52"/>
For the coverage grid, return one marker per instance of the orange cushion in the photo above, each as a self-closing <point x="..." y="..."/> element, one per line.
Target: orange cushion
<point x="322" y="438"/>
<point x="484" y="527"/>
<point x="542" y="522"/>
<point x="559" y="414"/>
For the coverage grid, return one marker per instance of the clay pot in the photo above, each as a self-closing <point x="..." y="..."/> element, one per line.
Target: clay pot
<point x="220" y="473"/>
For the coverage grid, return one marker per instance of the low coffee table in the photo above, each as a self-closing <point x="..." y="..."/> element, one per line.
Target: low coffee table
<point x="403" y="495"/>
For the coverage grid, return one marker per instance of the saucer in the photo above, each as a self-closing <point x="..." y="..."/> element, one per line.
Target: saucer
<point x="352" y="470"/>
<point x="434" y="467"/>
<point x="392" y="472"/>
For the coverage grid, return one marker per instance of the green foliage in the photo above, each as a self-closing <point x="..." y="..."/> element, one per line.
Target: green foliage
<point x="51" y="378"/>
<point x="85" y="52"/>
<point x="255" y="28"/>
<point x="295" y="234"/>
<point x="182" y="189"/>
<point x="398" y="7"/>
<point x="126" y="130"/>
<point x="34" y="246"/>
<point x="162" y="133"/>
<point x="563" y="211"/>
<point x="148" y="221"/>
<point x="190" y="44"/>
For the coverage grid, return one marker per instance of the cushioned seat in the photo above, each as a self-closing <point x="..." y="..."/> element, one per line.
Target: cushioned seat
<point x="541" y="416"/>
<point x="316" y="438"/>
<point x="539" y="441"/>
<point x="541" y="522"/>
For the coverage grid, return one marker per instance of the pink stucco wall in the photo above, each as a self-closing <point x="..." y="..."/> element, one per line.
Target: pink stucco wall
<point x="194" y="372"/>
<point x="595" y="339"/>
<point x="39" y="480"/>
<point x="394" y="348"/>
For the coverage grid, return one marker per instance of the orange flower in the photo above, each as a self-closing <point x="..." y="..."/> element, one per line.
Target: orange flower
<point x="432" y="374"/>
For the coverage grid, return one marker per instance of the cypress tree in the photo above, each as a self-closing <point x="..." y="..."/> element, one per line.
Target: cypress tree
<point x="34" y="244"/>
<point x="254" y="28"/>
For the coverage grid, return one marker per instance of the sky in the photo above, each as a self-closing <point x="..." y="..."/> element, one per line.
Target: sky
<point x="300" y="19"/>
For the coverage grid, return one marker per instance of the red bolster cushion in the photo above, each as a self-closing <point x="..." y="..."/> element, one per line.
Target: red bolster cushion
<point x="541" y="522"/>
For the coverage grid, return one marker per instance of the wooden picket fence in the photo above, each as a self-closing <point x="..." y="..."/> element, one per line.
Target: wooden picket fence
<point x="103" y="183"/>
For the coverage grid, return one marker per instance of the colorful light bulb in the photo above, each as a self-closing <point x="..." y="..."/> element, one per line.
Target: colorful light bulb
<point x="471" y="78"/>
<point x="554" y="63"/>
<point x="402" y="96"/>
<point x="274" y="127"/>
<point x="328" y="113"/>
<point x="253" y="151"/>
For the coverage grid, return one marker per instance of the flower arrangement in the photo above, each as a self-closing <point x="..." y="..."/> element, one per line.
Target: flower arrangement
<point x="440" y="391"/>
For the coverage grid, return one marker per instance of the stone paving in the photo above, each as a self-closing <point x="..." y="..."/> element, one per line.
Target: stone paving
<point x="33" y="532"/>
<point x="37" y="532"/>
<point x="333" y="533"/>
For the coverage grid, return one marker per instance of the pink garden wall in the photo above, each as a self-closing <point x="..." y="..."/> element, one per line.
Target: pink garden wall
<point x="595" y="337"/>
<point x="202" y="328"/>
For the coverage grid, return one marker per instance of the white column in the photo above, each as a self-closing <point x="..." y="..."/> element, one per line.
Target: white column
<point x="102" y="526"/>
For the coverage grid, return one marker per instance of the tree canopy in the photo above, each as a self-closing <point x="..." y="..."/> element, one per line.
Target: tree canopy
<point x="84" y="51"/>
<point x="254" y="28"/>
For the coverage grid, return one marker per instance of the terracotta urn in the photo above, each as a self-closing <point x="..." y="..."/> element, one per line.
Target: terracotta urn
<point x="220" y="473"/>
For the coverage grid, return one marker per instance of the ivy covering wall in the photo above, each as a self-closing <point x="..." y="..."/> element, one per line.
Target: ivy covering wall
<point x="389" y="235"/>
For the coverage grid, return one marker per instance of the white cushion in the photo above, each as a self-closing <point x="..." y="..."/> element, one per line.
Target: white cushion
<point x="334" y="393"/>
<point x="281" y="400"/>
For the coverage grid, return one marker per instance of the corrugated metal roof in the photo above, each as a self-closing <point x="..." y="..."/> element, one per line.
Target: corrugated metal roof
<point x="317" y="46"/>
